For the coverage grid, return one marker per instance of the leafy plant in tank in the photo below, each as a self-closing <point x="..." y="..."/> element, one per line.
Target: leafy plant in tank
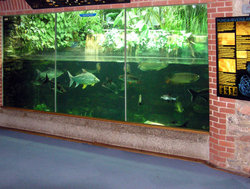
<point x="42" y="107"/>
<point x="34" y="33"/>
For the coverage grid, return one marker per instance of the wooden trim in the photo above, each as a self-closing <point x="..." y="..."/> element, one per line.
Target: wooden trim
<point x="112" y="121"/>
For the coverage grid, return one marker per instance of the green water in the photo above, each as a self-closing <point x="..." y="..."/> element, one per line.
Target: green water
<point x="164" y="81"/>
<point x="144" y="102"/>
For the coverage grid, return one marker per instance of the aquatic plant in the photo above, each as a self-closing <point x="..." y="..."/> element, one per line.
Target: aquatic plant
<point x="42" y="107"/>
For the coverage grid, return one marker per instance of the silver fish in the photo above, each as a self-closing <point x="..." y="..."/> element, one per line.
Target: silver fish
<point x="50" y="73"/>
<point x="168" y="98"/>
<point x="85" y="78"/>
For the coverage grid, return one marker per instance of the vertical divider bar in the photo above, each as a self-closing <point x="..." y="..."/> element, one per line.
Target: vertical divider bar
<point x="125" y="64"/>
<point x="55" y="79"/>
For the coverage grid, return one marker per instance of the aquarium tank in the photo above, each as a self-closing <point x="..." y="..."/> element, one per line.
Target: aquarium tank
<point x="143" y="65"/>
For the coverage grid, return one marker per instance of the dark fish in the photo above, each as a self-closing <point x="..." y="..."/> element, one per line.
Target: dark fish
<point x="202" y="93"/>
<point x="131" y="79"/>
<point x="110" y="85"/>
<point x="51" y="83"/>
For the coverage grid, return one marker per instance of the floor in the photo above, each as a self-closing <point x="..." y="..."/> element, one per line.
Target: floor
<point x="31" y="161"/>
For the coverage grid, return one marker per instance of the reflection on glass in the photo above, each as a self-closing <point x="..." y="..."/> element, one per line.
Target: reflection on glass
<point x="165" y="78"/>
<point x="167" y="57"/>
<point x="29" y="61"/>
<point x="90" y="52"/>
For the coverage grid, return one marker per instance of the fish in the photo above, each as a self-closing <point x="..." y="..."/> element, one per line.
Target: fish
<point x="98" y="67"/>
<point x="110" y="85"/>
<point x="140" y="99"/>
<point x="153" y="123"/>
<point x="85" y="78"/>
<point x="50" y="73"/>
<point x="168" y="98"/>
<point x="183" y="78"/>
<point x="201" y="93"/>
<point x="131" y="79"/>
<point x="178" y="107"/>
<point x="150" y="66"/>
<point x="59" y="87"/>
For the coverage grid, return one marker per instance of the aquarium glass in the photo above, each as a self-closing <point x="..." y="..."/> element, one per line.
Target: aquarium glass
<point x="167" y="69"/>
<point x="29" y="47"/>
<point x="90" y="54"/>
<point x="144" y="65"/>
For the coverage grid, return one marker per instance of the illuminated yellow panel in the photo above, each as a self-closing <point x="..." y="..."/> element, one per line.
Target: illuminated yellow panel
<point x="242" y="28"/>
<point x="227" y="65"/>
<point x="226" y="39"/>
<point x="241" y="54"/>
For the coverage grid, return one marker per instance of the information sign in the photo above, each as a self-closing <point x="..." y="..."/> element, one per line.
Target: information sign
<point x="233" y="57"/>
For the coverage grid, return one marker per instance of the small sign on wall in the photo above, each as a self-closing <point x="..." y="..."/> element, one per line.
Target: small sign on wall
<point x="233" y="57"/>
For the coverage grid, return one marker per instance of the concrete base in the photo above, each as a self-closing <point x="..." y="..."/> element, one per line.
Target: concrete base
<point x="170" y="141"/>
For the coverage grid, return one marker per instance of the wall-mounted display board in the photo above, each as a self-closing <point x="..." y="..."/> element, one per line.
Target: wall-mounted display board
<point x="41" y="4"/>
<point x="233" y="57"/>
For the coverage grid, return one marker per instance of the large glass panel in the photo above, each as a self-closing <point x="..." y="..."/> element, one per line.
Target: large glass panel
<point x="29" y="61"/>
<point x="168" y="66"/>
<point x="90" y="54"/>
<point x="162" y="80"/>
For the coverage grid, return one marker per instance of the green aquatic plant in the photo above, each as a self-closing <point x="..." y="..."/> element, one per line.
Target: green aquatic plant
<point x="42" y="107"/>
<point x="27" y="34"/>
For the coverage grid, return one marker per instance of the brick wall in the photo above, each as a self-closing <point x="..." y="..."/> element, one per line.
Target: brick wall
<point x="1" y="63"/>
<point x="229" y="120"/>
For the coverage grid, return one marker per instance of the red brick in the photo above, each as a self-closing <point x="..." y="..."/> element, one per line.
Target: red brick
<point x="230" y="138"/>
<point x="227" y="110"/>
<point x="174" y="2"/>
<point x="160" y="3"/>
<point x="212" y="85"/>
<point x="230" y="150"/>
<point x="214" y="140"/>
<point x="214" y="108"/>
<point x="219" y="115"/>
<point x="220" y="159"/>
<point x="213" y="129"/>
<point x="228" y="4"/>
<point x="222" y="131"/>
<point x="227" y="14"/>
<point x="226" y="144"/>
<point x="213" y="151"/>
<point x="221" y="104"/>
<point x="227" y="100"/>
<point x="230" y="105"/>
<point x="190" y="1"/>
<point x="213" y="97"/>
<point x="218" y="4"/>
<point x="145" y="4"/>
<point x="215" y="119"/>
<point x="226" y="155"/>
<point x="225" y="9"/>
<point x="222" y="121"/>
<point x="216" y="15"/>
<point x="211" y="10"/>
<point x="212" y="52"/>
<point x="220" y="126"/>
<point x="117" y="6"/>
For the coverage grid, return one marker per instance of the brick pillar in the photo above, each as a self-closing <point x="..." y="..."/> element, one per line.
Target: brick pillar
<point x="1" y="63"/>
